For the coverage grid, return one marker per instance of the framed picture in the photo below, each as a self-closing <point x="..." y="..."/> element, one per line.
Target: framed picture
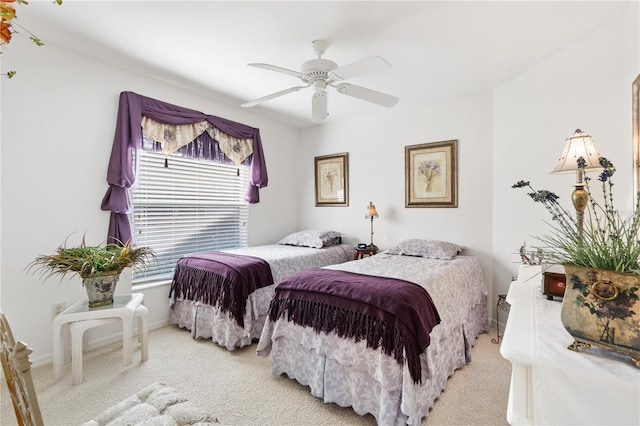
<point x="431" y="174"/>
<point x="332" y="180"/>
<point x="636" y="133"/>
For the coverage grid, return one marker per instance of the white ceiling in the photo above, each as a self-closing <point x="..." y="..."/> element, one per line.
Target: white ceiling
<point x="436" y="48"/>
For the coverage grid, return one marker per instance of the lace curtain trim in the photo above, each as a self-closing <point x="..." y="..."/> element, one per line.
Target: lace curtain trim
<point x="173" y="137"/>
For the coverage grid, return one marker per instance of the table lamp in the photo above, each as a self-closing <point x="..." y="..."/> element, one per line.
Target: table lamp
<point x="578" y="145"/>
<point x="371" y="214"/>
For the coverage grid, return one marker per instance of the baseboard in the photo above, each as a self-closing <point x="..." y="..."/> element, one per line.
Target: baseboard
<point x="98" y="343"/>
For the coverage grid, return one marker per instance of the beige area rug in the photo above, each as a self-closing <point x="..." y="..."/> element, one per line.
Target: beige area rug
<point x="239" y="389"/>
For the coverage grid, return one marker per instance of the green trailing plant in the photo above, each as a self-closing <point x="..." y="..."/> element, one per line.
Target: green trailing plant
<point x="607" y="240"/>
<point x="89" y="261"/>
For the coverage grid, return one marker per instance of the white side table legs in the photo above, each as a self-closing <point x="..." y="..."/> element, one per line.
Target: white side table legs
<point x="143" y="332"/>
<point x="77" y="330"/>
<point x="79" y="318"/>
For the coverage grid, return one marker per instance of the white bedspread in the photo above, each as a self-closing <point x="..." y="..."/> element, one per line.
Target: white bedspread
<point x="350" y="374"/>
<point x="206" y="321"/>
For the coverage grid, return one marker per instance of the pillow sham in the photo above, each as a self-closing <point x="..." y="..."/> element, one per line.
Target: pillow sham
<point x="316" y="238"/>
<point x="426" y="248"/>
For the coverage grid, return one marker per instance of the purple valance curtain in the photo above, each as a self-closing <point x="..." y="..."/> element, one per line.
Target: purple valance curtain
<point x="123" y="164"/>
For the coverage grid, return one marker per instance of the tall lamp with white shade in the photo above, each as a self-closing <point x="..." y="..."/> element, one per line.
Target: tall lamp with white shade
<point x="578" y="145"/>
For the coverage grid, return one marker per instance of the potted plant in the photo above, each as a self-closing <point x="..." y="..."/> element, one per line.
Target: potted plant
<point x="601" y="261"/>
<point x="99" y="266"/>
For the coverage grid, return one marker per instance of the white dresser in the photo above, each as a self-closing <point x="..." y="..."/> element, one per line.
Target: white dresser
<point x="551" y="384"/>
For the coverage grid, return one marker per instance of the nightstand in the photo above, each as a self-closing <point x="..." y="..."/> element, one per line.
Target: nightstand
<point x="360" y="253"/>
<point x="504" y="306"/>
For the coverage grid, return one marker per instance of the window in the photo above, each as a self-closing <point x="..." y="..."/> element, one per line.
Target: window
<point x="191" y="206"/>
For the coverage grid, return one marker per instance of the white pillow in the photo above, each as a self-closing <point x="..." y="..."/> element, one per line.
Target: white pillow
<point x="426" y="248"/>
<point x="312" y="238"/>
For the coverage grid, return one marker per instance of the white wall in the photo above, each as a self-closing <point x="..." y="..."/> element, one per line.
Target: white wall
<point x="376" y="173"/>
<point x="58" y="119"/>
<point x="516" y="132"/>
<point x="58" y="122"/>
<point x="586" y="86"/>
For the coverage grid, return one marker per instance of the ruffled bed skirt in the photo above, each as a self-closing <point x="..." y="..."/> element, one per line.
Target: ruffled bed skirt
<point x="350" y="374"/>
<point x="210" y="322"/>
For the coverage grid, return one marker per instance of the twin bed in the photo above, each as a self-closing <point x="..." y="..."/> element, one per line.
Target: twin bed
<point x="231" y="312"/>
<point x="381" y="334"/>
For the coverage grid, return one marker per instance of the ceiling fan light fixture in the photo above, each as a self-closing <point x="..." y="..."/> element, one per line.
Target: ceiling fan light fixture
<point x="321" y="73"/>
<point x="319" y="106"/>
<point x="320" y="86"/>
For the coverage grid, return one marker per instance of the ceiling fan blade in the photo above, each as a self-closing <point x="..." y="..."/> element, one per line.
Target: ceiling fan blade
<point x="277" y="69"/>
<point x="319" y="106"/>
<point x="367" y="94"/>
<point x="273" y="95"/>
<point x="363" y="66"/>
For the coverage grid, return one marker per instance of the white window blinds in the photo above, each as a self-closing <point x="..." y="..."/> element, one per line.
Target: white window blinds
<point x="191" y="206"/>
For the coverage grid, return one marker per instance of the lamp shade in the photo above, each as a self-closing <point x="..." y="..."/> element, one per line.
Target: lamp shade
<point x="577" y="145"/>
<point x="372" y="213"/>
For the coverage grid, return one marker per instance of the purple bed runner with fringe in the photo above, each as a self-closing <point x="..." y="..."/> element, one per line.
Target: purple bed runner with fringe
<point x="220" y="279"/>
<point x="394" y="314"/>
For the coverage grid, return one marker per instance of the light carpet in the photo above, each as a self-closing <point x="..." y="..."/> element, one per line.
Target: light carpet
<point x="238" y="387"/>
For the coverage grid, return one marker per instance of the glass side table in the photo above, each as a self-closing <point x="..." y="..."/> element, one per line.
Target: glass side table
<point x="71" y="324"/>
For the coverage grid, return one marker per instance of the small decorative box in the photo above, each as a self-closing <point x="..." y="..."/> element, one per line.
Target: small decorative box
<point x="554" y="284"/>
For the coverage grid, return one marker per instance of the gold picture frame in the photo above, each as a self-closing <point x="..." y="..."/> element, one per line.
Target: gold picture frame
<point x="636" y="133"/>
<point x="431" y="174"/>
<point x="332" y="180"/>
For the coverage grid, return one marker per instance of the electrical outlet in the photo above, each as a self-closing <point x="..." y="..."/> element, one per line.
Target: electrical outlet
<point x="57" y="308"/>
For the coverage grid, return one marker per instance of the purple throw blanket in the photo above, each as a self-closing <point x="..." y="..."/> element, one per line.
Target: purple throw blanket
<point x="222" y="279"/>
<point x="394" y="314"/>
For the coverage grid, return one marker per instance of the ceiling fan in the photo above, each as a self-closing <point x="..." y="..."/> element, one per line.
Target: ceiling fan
<point x="322" y="73"/>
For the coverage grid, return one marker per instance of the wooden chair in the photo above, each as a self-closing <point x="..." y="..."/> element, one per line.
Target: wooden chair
<point x="16" y="366"/>
<point x="156" y="400"/>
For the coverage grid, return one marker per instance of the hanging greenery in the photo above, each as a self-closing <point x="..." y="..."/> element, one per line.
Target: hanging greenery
<point x="8" y="25"/>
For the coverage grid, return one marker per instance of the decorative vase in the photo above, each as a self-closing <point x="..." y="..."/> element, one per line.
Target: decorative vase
<point x="601" y="308"/>
<point x="100" y="288"/>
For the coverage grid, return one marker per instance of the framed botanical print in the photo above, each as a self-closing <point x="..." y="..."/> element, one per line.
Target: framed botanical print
<point x="431" y="174"/>
<point x="332" y="180"/>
